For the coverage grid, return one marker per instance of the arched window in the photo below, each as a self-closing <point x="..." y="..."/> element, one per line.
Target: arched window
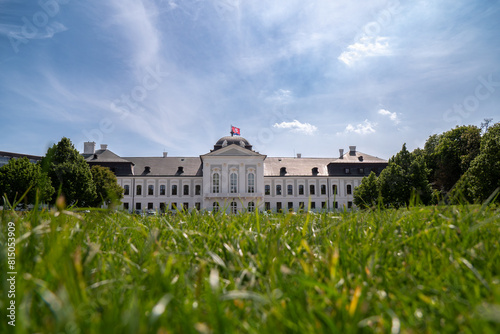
<point x="174" y="190"/>
<point x="267" y="189"/>
<point x="334" y="189"/>
<point x="323" y="189"/>
<point x="233" y="183"/>
<point x="186" y="190"/>
<point x="215" y="207"/>
<point x="290" y="189"/>
<point x="126" y="189"/>
<point x="301" y="189"/>
<point x="234" y="207"/>
<point x="162" y="190"/>
<point x="251" y="206"/>
<point x="349" y="189"/>
<point x="139" y="190"/>
<point x="312" y="189"/>
<point x="251" y="183"/>
<point x="278" y="189"/>
<point x="197" y="189"/>
<point x="215" y="183"/>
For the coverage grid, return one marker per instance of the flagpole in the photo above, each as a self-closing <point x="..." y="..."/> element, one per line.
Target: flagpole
<point x="232" y="133"/>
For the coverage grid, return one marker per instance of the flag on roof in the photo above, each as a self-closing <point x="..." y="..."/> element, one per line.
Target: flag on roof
<point x="235" y="130"/>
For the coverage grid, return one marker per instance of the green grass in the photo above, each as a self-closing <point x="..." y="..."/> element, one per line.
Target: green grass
<point x="418" y="270"/>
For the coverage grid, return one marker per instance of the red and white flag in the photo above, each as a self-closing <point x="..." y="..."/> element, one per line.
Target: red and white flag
<point x="235" y="130"/>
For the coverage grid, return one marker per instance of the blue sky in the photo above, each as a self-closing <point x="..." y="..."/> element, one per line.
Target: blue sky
<point x="295" y="76"/>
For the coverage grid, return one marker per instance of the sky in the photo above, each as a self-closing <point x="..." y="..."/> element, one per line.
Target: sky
<point x="153" y="76"/>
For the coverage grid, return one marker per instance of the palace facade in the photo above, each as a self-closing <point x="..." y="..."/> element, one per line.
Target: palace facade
<point x="234" y="177"/>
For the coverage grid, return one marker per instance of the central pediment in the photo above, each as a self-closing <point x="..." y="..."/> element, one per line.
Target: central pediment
<point x="233" y="150"/>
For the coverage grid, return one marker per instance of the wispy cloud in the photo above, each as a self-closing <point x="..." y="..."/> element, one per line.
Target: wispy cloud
<point x="366" y="46"/>
<point x="393" y="116"/>
<point x="364" y="128"/>
<point x="297" y="126"/>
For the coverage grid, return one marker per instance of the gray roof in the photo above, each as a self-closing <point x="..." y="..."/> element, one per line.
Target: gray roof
<point x="296" y="166"/>
<point x="168" y="166"/>
<point x="358" y="157"/>
<point x="103" y="156"/>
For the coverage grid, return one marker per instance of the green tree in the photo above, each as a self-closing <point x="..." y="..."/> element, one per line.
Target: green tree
<point x="107" y="188"/>
<point x="453" y="155"/>
<point x="19" y="176"/>
<point x="70" y="173"/>
<point x="367" y="193"/>
<point x="483" y="176"/>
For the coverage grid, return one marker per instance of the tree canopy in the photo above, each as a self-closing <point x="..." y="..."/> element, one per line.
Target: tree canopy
<point x="107" y="188"/>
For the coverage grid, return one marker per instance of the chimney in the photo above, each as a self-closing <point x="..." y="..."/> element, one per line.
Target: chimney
<point x="165" y="154"/>
<point x="341" y="151"/>
<point x="89" y="147"/>
<point x="299" y="155"/>
<point x="104" y="146"/>
<point x="352" y="150"/>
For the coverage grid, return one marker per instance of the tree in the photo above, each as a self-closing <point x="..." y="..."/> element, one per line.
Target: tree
<point x="107" y="188"/>
<point x="483" y="176"/>
<point x="19" y="176"/>
<point x="453" y="155"/>
<point x="70" y="173"/>
<point x="367" y="193"/>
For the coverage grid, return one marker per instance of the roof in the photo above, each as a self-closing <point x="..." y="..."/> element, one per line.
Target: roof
<point x="358" y="157"/>
<point x="296" y="166"/>
<point x="103" y="156"/>
<point x="167" y="166"/>
<point x="228" y="140"/>
<point x="19" y="155"/>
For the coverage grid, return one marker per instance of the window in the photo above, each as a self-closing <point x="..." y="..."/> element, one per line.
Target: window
<point x="174" y="206"/>
<point x="251" y="206"/>
<point x="312" y="189"/>
<point x="151" y="190"/>
<point x="137" y="206"/>
<point x="278" y="206"/>
<point x="349" y="205"/>
<point x="313" y="205"/>
<point x="197" y="205"/>
<point x="361" y="171"/>
<point x="174" y="190"/>
<point x="138" y="190"/>
<point x="251" y="183"/>
<point x="267" y="189"/>
<point x="126" y="189"/>
<point x="215" y="207"/>
<point x="162" y="190"/>
<point x="150" y="206"/>
<point x="233" y="183"/>
<point x="186" y="190"/>
<point x="301" y="205"/>
<point x="267" y="206"/>
<point x="315" y="171"/>
<point x="197" y="190"/>
<point x="336" y="205"/>
<point x="334" y="189"/>
<point x="290" y="206"/>
<point x="347" y="170"/>
<point x="125" y="206"/>
<point x="290" y="189"/>
<point x="185" y="206"/>
<point x="323" y="189"/>
<point x="301" y="189"/>
<point x="349" y="189"/>
<point x="162" y="207"/>
<point x="234" y="207"/>
<point x="278" y="189"/>
<point x="215" y="183"/>
<point x="323" y="205"/>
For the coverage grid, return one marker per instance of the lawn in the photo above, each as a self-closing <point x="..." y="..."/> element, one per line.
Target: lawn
<point x="417" y="270"/>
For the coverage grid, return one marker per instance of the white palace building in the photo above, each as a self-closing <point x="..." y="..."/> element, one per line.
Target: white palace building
<point x="234" y="177"/>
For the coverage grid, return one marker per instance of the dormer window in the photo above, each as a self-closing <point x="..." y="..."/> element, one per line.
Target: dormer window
<point x="180" y="170"/>
<point x="282" y="171"/>
<point x="147" y="169"/>
<point x="315" y="171"/>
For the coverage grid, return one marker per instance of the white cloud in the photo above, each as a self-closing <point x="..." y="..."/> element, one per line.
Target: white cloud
<point x="296" y="126"/>
<point x="364" y="128"/>
<point x="392" y="115"/>
<point x="366" y="46"/>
